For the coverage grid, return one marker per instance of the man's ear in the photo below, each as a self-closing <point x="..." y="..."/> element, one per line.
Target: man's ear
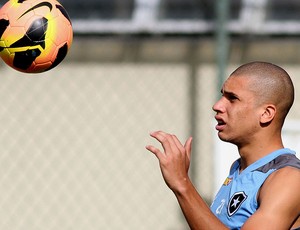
<point x="268" y="114"/>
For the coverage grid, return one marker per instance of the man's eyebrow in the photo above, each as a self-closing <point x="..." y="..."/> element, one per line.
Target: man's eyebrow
<point x="223" y="91"/>
<point x="228" y="93"/>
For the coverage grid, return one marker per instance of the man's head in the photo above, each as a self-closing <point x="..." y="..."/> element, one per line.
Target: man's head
<point x="271" y="85"/>
<point x="256" y="95"/>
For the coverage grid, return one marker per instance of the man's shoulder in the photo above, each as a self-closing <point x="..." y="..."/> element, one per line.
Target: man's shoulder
<point x="281" y="161"/>
<point x="284" y="179"/>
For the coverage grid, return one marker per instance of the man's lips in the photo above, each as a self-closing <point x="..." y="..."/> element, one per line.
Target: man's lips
<point x="221" y="123"/>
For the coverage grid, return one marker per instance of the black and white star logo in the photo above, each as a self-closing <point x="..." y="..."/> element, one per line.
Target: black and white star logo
<point x="235" y="202"/>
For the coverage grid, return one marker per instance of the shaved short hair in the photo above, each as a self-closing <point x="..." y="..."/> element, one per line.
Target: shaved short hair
<point x="271" y="84"/>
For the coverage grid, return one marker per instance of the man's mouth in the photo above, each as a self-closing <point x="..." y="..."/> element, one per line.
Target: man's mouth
<point x="221" y="124"/>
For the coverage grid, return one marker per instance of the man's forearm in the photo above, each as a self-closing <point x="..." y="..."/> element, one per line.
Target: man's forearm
<point x="195" y="209"/>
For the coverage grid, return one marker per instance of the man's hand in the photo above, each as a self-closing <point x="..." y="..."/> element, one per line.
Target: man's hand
<point x="174" y="160"/>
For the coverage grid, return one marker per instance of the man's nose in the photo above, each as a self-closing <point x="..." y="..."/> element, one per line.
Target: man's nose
<point x="218" y="106"/>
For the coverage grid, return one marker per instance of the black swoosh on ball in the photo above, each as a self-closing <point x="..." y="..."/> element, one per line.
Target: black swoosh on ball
<point x="47" y="4"/>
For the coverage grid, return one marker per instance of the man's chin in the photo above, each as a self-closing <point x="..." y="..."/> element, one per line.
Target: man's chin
<point x="224" y="138"/>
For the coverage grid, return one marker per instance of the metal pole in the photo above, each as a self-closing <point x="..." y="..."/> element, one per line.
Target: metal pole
<point x="222" y="39"/>
<point x="193" y="63"/>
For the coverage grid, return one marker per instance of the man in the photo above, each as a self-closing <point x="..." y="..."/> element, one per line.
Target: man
<point x="262" y="190"/>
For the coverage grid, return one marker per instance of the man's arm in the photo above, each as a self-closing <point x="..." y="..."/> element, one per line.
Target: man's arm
<point x="279" y="200"/>
<point x="196" y="211"/>
<point x="174" y="163"/>
<point x="279" y="197"/>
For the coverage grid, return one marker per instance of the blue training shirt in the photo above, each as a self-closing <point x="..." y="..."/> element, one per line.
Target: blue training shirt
<point x="236" y="200"/>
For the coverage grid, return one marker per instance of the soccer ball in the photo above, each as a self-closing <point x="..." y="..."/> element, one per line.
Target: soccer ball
<point x="35" y="35"/>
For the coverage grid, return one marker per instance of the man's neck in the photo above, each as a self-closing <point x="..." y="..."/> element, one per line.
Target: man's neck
<point x="250" y="154"/>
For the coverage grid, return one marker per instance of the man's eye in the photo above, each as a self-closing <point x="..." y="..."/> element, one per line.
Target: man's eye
<point x="232" y="98"/>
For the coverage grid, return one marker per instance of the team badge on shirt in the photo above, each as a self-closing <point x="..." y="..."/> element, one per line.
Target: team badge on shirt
<point x="235" y="202"/>
<point x="227" y="181"/>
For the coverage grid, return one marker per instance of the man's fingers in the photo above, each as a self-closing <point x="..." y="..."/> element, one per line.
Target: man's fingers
<point x="178" y="143"/>
<point x="188" y="147"/>
<point x="164" y="139"/>
<point x="155" y="151"/>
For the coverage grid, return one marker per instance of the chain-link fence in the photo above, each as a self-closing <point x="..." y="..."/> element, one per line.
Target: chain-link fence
<point x="73" y="139"/>
<point x="73" y="143"/>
